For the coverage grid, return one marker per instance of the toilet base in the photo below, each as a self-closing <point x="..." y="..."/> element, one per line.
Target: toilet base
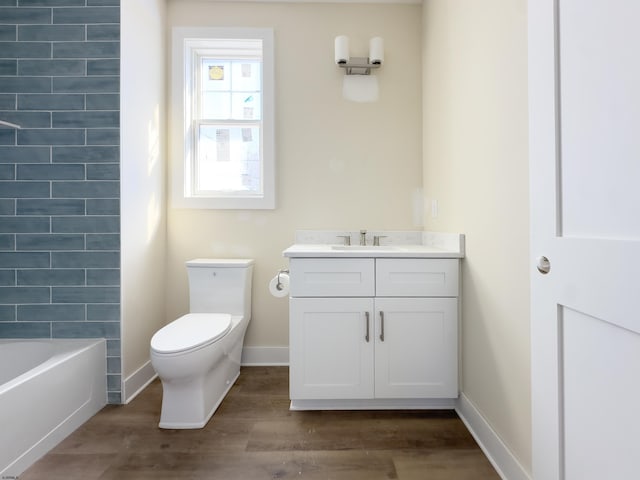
<point x="168" y="418"/>
<point x="192" y="403"/>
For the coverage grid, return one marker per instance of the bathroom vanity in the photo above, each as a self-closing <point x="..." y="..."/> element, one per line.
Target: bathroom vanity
<point x="375" y="326"/>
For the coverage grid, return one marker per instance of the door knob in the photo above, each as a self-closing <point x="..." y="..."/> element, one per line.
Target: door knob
<point x="544" y="265"/>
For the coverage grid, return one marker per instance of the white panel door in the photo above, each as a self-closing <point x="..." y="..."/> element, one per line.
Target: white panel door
<point x="584" y="84"/>
<point x="416" y="348"/>
<point x="331" y="348"/>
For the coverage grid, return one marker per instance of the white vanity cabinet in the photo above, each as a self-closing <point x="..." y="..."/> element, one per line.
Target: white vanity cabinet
<point x="373" y="332"/>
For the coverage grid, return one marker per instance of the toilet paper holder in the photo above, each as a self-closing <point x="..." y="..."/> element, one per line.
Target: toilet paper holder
<point x="279" y="285"/>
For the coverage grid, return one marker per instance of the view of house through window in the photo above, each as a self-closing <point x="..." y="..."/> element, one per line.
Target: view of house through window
<point x="227" y="122"/>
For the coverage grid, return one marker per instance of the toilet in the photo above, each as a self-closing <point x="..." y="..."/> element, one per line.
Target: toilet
<point x="197" y="356"/>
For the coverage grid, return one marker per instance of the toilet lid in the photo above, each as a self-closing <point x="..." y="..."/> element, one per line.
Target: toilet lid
<point x="190" y="331"/>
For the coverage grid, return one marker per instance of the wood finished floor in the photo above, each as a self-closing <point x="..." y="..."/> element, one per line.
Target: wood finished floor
<point x="253" y="435"/>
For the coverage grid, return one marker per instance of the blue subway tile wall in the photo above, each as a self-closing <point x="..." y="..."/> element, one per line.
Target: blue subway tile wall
<point x="60" y="173"/>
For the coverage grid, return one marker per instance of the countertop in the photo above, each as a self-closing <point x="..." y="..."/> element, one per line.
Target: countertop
<point x="433" y="245"/>
<point x="384" y="251"/>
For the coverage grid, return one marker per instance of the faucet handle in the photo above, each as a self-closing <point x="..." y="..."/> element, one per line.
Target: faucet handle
<point x="346" y="239"/>
<point x="363" y="237"/>
<point x="376" y="240"/>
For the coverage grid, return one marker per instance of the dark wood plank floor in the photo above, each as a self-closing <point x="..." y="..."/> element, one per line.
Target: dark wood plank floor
<point x="253" y="435"/>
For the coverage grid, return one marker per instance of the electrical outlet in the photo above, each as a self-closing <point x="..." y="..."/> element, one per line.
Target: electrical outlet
<point x="434" y="208"/>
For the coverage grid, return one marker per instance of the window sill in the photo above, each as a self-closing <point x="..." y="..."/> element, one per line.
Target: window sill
<point x="212" y="203"/>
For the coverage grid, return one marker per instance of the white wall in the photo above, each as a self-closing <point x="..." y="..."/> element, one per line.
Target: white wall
<point x="476" y="167"/>
<point x="143" y="217"/>
<point x="340" y="165"/>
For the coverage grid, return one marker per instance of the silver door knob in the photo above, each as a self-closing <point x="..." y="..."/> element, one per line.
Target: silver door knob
<point x="544" y="265"/>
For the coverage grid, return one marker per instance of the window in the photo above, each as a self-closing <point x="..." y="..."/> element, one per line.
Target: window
<point x="223" y="131"/>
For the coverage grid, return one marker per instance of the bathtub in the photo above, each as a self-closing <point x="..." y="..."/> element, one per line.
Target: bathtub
<point x="48" y="388"/>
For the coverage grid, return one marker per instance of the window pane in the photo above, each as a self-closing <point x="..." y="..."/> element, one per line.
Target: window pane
<point x="216" y="106"/>
<point x="246" y="106"/>
<point x="215" y="74"/>
<point x="246" y="76"/>
<point x="229" y="159"/>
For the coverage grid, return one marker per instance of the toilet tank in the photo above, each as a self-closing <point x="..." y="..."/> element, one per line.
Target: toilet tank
<point x="220" y="286"/>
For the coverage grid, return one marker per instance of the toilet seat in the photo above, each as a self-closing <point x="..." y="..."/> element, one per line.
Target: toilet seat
<point x="190" y="332"/>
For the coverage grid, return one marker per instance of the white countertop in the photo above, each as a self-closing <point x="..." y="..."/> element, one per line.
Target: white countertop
<point x="434" y="245"/>
<point x="395" y="251"/>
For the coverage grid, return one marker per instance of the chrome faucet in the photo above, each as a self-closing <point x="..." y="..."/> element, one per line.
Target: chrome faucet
<point x="363" y="237"/>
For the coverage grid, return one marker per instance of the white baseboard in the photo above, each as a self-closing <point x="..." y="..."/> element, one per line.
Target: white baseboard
<point x="505" y="463"/>
<point x="265" y="356"/>
<point x="137" y="381"/>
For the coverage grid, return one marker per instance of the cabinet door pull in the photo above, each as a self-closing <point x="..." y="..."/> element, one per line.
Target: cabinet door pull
<point x="381" y="326"/>
<point x="366" y="316"/>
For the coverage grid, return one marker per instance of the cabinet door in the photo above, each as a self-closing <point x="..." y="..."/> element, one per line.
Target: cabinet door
<point x="417" y="356"/>
<point x="329" y="355"/>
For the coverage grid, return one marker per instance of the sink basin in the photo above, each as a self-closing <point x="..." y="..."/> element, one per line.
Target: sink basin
<point x="362" y="247"/>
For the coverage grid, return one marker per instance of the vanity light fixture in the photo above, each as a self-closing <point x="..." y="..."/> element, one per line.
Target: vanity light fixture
<point x="359" y="65"/>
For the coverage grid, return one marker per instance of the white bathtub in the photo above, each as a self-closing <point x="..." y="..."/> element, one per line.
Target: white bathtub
<point x="48" y="388"/>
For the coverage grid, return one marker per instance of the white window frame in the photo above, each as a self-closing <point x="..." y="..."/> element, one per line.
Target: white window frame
<point x="182" y="138"/>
